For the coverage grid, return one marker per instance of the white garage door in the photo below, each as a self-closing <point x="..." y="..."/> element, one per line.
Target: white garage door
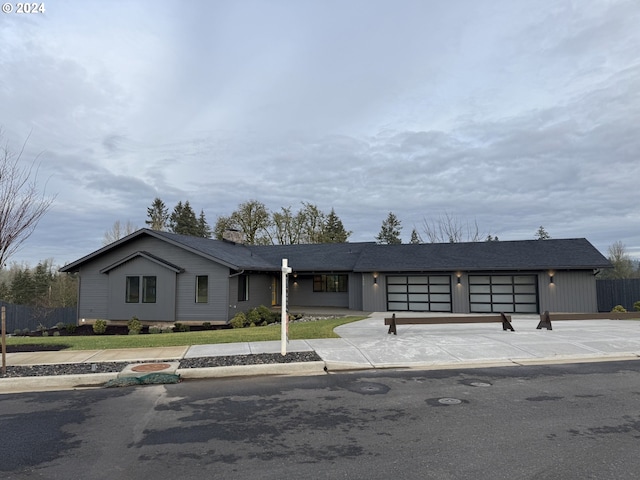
<point x="419" y="293"/>
<point x="503" y="293"/>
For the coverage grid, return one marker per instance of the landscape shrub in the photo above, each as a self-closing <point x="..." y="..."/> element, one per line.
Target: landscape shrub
<point x="26" y="331"/>
<point x="154" y="330"/>
<point x="181" y="327"/>
<point x="239" y="320"/>
<point x="17" y="332"/>
<point x="100" y="327"/>
<point x="134" y="325"/>
<point x="253" y="317"/>
<point x="618" y="308"/>
<point x="45" y="333"/>
<point x="267" y="315"/>
<point x="70" y="327"/>
<point x="56" y="333"/>
<point x="206" y="325"/>
<point x="59" y="325"/>
<point x="636" y="306"/>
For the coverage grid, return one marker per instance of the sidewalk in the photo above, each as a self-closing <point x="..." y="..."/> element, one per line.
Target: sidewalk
<point x="366" y="345"/>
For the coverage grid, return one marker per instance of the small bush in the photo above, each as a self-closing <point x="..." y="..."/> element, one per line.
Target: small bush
<point x="26" y="332"/>
<point x="253" y="316"/>
<point x="636" y="306"/>
<point x="59" y="325"/>
<point x="17" y="332"/>
<point x="41" y="328"/>
<point x="134" y="326"/>
<point x="239" y="320"/>
<point x="206" y="325"/>
<point x="266" y="315"/>
<point x="618" y="308"/>
<point x="70" y="327"/>
<point x="45" y="333"/>
<point x="181" y="327"/>
<point x="56" y="333"/>
<point x="154" y="330"/>
<point x="100" y="327"/>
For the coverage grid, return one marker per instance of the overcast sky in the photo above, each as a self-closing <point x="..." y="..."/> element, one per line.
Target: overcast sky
<point x="510" y="113"/>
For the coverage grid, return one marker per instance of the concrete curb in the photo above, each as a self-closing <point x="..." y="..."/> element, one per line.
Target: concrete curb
<point x="302" y="368"/>
<point x="54" y="382"/>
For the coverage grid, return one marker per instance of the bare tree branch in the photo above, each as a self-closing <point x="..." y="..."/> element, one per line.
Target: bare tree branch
<point x="21" y="203"/>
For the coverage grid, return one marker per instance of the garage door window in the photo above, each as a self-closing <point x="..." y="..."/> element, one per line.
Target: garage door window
<point x="503" y="293"/>
<point x="419" y="293"/>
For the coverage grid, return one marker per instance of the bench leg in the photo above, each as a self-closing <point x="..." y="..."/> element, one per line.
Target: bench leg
<point x="545" y="321"/>
<point x="506" y="324"/>
<point x="392" y="325"/>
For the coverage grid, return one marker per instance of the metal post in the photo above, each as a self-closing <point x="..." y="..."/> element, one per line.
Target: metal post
<point x="283" y="308"/>
<point x="4" y="340"/>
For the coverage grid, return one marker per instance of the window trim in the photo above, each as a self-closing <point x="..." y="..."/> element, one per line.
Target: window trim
<point x="132" y="295"/>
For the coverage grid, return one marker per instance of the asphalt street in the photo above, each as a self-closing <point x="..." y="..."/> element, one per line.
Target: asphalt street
<point x="571" y="421"/>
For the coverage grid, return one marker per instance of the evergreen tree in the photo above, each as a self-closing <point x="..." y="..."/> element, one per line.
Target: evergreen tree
<point x="183" y="220"/>
<point x="158" y="215"/>
<point x="204" y="230"/>
<point x="390" y="231"/>
<point x="415" y="238"/>
<point x="22" y="287"/>
<point x="542" y="234"/>
<point x="334" y="231"/>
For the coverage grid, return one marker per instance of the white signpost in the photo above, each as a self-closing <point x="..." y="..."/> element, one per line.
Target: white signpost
<point x="284" y="318"/>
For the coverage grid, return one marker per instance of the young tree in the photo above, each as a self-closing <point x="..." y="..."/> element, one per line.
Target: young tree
<point x="118" y="231"/>
<point x="158" y="215"/>
<point x="415" y="238"/>
<point x="334" y="231"/>
<point x="390" y="230"/>
<point x="21" y="204"/>
<point x="542" y="234"/>
<point x="204" y="230"/>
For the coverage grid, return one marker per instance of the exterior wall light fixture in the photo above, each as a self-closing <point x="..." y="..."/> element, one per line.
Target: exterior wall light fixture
<point x="551" y="279"/>
<point x="375" y="278"/>
<point x="459" y="281"/>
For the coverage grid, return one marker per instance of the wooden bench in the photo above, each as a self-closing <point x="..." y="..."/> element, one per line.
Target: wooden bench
<point x="546" y="317"/>
<point x="502" y="318"/>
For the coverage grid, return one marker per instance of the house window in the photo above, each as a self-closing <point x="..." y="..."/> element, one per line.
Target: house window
<point x="202" y="289"/>
<point x="148" y="289"/>
<point x="243" y="288"/>
<point x="330" y="283"/>
<point x="133" y="290"/>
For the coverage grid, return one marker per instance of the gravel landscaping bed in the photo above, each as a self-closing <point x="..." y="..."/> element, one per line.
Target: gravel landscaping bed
<point x="200" y="362"/>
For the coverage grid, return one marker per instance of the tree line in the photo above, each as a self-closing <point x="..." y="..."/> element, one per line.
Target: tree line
<point x="257" y="224"/>
<point x="40" y="286"/>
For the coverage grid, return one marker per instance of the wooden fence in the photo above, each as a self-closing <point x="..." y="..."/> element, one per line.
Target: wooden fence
<point x="20" y="317"/>
<point x="623" y="292"/>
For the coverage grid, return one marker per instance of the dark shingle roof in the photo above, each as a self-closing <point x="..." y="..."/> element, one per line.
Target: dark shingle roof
<point x="370" y="257"/>
<point x="510" y="255"/>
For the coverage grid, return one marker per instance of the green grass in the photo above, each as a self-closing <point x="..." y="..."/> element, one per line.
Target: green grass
<point x="301" y="330"/>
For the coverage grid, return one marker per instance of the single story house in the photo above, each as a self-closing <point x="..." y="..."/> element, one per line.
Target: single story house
<point x="165" y="277"/>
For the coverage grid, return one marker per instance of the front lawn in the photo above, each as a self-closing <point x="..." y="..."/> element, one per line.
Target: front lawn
<point x="297" y="331"/>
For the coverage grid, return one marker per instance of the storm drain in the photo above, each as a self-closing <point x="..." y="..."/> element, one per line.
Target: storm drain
<point x="146" y="374"/>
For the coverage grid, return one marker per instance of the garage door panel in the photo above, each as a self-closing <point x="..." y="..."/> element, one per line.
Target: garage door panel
<point x="503" y="293"/>
<point x="420" y="293"/>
